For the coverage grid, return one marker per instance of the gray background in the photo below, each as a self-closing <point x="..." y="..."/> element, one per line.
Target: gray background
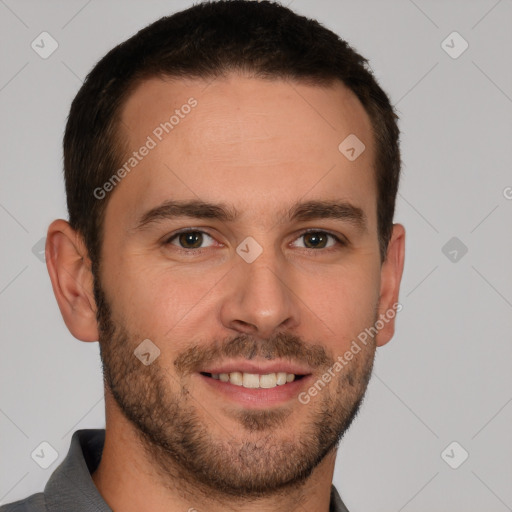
<point x="446" y="374"/>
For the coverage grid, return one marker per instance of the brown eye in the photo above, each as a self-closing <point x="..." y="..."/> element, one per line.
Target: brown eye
<point x="189" y="239"/>
<point x="319" y="240"/>
<point x="315" y="240"/>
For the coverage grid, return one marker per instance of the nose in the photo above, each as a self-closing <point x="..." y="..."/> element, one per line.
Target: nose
<point x="260" y="299"/>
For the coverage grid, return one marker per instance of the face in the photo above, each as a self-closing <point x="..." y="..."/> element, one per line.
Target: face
<point x="244" y="245"/>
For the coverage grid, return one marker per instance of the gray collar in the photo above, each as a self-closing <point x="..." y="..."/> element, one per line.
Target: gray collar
<point x="71" y="487"/>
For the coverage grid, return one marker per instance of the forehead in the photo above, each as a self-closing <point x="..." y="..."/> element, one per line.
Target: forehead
<point x="254" y="143"/>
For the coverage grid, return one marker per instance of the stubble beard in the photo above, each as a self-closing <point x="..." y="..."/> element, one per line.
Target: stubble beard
<point x="188" y="447"/>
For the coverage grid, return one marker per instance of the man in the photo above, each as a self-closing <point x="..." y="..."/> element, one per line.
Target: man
<point x="231" y="174"/>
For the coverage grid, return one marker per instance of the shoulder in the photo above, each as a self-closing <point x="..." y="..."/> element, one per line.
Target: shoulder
<point x="34" y="503"/>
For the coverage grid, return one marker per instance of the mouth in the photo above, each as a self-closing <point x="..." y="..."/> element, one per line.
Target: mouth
<point x="256" y="384"/>
<point x="255" y="380"/>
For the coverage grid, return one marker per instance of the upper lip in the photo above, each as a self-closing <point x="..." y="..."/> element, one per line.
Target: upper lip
<point x="263" y="368"/>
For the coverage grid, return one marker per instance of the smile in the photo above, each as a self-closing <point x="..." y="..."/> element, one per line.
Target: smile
<point x="255" y="380"/>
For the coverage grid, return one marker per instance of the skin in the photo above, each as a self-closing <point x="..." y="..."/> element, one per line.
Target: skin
<point x="258" y="146"/>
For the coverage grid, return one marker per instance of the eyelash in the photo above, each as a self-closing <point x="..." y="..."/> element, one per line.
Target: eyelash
<point x="340" y="242"/>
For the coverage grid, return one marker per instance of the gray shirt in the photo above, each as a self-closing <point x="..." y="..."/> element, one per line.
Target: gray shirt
<point x="71" y="488"/>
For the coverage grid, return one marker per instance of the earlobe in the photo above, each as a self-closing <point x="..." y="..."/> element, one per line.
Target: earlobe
<point x="391" y="276"/>
<point x="72" y="281"/>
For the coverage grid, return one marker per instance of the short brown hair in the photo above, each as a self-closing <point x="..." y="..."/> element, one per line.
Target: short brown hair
<point x="208" y="40"/>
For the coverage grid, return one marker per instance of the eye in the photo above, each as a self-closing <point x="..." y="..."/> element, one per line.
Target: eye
<point x="190" y="239"/>
<point x="193" y="240"/>
<point x="319" y="240"/>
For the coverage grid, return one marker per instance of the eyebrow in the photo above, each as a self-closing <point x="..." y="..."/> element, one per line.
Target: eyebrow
<point x="309" y="210"/>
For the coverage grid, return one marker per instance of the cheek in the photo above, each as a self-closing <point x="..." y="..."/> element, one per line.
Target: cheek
<point x="345" y="301"/>
<point x="163" y="303"/>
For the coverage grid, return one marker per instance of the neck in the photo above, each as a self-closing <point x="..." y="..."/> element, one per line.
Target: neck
<point x="129" y="480"/>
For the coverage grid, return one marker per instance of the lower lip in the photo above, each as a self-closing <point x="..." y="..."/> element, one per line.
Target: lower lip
<point x="257" y="397"/>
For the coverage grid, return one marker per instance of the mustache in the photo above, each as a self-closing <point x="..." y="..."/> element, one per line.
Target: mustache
<point x="279" y="346"/>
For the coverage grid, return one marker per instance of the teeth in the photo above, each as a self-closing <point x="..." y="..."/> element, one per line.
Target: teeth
<point x="268" y="381"/>
<point x="251" y="380"/>
<point x="254" y="380"/>
<point x="236" y="378"/>
<point x="281" y="378"/>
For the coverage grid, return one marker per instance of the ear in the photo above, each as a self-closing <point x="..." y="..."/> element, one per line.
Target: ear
<point x="390" y="278"/>
<point x="70" y="272"/>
